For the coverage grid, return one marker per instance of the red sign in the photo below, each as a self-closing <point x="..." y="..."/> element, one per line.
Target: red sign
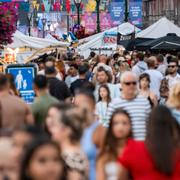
<point x="110" y="39"/>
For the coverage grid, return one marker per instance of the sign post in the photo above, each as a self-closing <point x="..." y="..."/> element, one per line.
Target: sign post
<point x="24" y="76"/>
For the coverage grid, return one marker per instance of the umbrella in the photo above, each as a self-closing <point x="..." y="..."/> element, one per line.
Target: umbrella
<point x="167" y="46"/>
<point x="170" y="42"/>
<point x="132" y="44"/>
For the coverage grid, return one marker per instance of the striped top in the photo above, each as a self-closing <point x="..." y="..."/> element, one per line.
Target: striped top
<point x="138" y="109"/>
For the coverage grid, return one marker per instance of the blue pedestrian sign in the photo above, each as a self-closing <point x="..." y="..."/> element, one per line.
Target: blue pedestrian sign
<point x="23" y="77"/>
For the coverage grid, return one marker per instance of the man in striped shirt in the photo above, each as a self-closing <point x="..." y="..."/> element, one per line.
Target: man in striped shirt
<point x="137" y="107"/>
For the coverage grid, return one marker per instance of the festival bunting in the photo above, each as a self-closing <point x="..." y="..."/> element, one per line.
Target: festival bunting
<point x="47" y="5"/>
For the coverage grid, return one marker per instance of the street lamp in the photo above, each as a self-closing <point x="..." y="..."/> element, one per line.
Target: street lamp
<point x="44" y="23"/>
<point x="78" y="5"/>
<point x="98" y="15"/>
<point x="29" y="17"/>
<point x="126" y="13"/>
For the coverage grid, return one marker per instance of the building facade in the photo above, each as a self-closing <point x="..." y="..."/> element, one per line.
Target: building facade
<point x="155" y="9"/>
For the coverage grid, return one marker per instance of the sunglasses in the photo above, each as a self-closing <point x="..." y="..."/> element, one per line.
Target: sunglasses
<point x="171" y="66"/>
<point x="130" y="83"/>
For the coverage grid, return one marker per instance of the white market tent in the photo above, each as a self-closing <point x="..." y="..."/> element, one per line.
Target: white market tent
<point x="49" y="36"/>
<point x="28" y="45"/>
<point x="124" y="29"/>
<point x="96" y="41"/>
<point x="20" y="41"/>
<point x="159" y="29"/>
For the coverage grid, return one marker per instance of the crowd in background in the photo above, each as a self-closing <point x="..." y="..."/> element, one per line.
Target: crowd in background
<point x="106" y="118"/>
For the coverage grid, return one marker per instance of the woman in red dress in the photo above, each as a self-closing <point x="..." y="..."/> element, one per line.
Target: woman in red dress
<point x="158" y="158"/>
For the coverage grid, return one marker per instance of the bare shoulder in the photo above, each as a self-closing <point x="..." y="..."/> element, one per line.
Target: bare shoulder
<point x="99" y="135"/>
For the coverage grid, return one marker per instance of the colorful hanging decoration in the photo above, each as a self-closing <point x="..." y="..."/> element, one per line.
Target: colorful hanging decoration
<point x="35" y="5"/>
<point x="8" y="19"/>
<point x="69" y="37"/>
<point x="91" y="6"/>
<point x="42" y="7"/>
<point x="57" y="6"/>
<point x="25" y="6"/>
<point x="47" y="6"/>
<point x="68" y="6"/>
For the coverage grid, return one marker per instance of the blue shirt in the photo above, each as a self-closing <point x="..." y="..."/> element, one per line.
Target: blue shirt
<point x="90" y="149"/>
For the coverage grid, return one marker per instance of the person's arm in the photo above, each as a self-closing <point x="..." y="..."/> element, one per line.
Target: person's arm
<point x="154" y="98"/>
<point x="117" y="91"/>
<point x="99" y="136"/>
<point x="29" y="116"/>
<point x="123" y="173"/>
<point x="67" y="93"/>
<point x="148" y="109"/>
<point x="110" y="110"/>
<point x="100" y="174"/>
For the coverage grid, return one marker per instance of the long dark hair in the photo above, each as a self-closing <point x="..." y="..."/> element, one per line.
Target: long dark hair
<point x="108" y="93"/>
<point x="31" y="149"/>
<point x="146" y="76"/>
<point x="163" y="135"/>
<point x="110" y="141"/>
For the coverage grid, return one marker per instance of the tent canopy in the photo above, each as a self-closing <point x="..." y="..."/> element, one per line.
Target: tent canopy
<point x="124" y="29"/>
<point x="20" y="40"/>
<point x="159" y="29"/>
<point x="96" y="41"/>
<point x="133" y="44"/>
<point x="169" y="42"/>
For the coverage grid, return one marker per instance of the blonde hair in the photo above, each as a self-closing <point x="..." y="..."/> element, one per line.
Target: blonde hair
<point x="174" y="96"/>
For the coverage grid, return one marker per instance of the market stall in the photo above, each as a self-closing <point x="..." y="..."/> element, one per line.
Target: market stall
<point x="25" y="46"/>
<point x="106" y="39"/>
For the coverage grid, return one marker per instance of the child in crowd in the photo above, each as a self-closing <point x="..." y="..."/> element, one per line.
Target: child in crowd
<point x="104" y="100"/>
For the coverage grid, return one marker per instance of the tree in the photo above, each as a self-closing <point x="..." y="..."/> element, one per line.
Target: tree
<point x="8" y="19"/>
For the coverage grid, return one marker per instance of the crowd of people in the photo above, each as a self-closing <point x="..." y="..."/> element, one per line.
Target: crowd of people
<point x="103" y="118"/>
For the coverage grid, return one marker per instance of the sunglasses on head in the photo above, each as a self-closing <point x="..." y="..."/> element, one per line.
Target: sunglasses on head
<point x="173" y="66"/>
<point x="130" y="83"/>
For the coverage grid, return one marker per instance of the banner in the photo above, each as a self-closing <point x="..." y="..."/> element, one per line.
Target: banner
<point x="110" y="38"/>
<point x="89" y="22"/>
<point x="121" y="37"/>
<point x="105" y="21"/>
<point x="117" y="12"/>
<point x="135" y="12"/>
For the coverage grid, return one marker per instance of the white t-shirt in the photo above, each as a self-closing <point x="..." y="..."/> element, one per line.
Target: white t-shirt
<point x="162" y="68"/>
<point x="114" y="91"/>
<point x="101" y="108"/>
<point x="156" y="78"/>
<point x="69" y="80"/>
<point x="173" y="80"/>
